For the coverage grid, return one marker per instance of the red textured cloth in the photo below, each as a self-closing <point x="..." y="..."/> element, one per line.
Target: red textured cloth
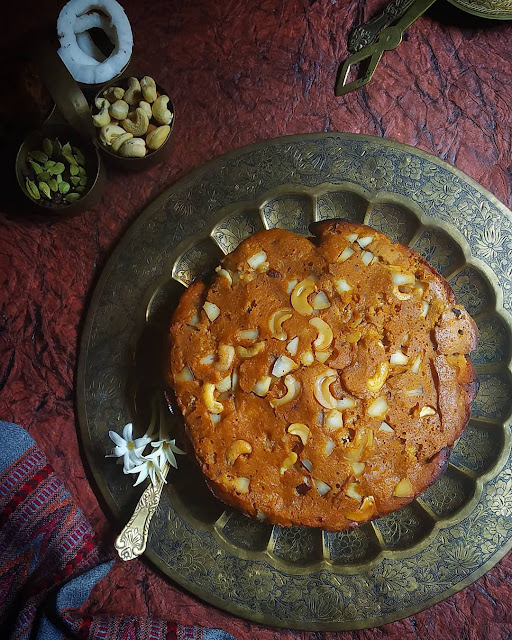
<point x="242" y="71"/>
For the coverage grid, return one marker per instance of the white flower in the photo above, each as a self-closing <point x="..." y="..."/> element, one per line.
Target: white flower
<point x="149" y="467"/>
<point x="165" y="450"/>
<point x="128" y="448"/>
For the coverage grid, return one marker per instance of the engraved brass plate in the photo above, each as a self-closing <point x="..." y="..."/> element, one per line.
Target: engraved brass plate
<point x="299" y="577"/>
<point x="493" y="9"/>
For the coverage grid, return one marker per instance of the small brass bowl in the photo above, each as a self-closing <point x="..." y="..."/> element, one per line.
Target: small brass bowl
<point x="152" y="157"/>
<point x="93" y="165"/>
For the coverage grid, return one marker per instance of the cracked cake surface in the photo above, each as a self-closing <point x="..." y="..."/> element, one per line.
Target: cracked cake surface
<point x="322" y="380"/>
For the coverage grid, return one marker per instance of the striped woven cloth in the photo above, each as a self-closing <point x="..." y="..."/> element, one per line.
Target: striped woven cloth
<point x="49" y="561"/>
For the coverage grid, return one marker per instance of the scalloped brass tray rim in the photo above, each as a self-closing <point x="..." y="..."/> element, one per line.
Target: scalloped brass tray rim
<point x="108" y="498"/>
<point x="353" y="625"/>
<point x="328" y="187"/>
<point x="350" y="569"/>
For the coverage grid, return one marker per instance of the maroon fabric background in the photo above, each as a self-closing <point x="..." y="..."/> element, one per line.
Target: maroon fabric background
<point x="241" y="71"/>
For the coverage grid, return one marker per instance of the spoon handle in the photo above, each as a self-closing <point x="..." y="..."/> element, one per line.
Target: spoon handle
<point x="368" y="32"/>
<point x="132" y="540"/>
<point x="369" y="57"/>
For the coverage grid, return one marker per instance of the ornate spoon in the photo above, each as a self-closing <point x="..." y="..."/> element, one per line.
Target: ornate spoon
<point x="132" y="540"/>
<point x="370" y="55"/>
<point x="368" y="32"/>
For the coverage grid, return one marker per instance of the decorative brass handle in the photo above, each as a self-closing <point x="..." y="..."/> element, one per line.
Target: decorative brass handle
<point x="132" y="540"/>
<point x="368" y="32"/>
<point x="369" y="57"/>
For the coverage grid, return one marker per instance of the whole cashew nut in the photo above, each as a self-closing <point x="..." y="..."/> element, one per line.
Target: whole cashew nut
<point x="299" y="297"/>
<point x="301" y="430"/>
<point x="102" y="118"/>
<point x="118" y="142"/>
<point x="119" y="109"/>
<point x="109" y="132"/>
<point x="322" y="391"/>
<point x="276" y="320"/>
<point x="113" y="93"/>
<point x="133" y="94"/>
<point x="325" y="334"/>
<point x="250" y="352"/>
<point x="147" y="108"/>
<point x="160" y="111"/>
<point x="379" y="378"/>
<point x="136" y="123"/>
<point x="148" y="86"/>
<point x="157" y="137"/>
<point x="133" y="148"/>
<point x="237" y="449"/>
<point x="288" y="462"/>
<point x="293" y="387"/>
<point x="226" y="355"/>
<point x="208" y="393"/>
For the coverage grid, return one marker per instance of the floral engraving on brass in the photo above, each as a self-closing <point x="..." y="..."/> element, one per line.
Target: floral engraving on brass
<point x="495" y="9"/>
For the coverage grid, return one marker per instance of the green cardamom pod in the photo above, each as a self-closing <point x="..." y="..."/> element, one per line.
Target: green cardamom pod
<point x="58" y="177"/>
<point x="79" y="189"/>
<point x="75" y="180"/>
<point x="40" y="156"/>
<point x="79" y="156"/>
<point x="57" y="149"/>
<point x="64" y="187"/>
<point x="57" y="168"/>
<point x="83" y="181"/>
<point x="67" y="153"/>
<point x="44" y="176"/>
<point x="53" y="184"/>
<point x="48" y="147"/>
<point x="37" y="167"/>
<point x="72" y="197"/>
<point x="45" y="189"/>
<point x="74" y="169"/>
<point x="32" y="189"/>
<point x="49" y="163"/>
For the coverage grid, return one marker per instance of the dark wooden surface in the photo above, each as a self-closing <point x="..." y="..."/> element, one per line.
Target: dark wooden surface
<point x="242" y="71"/>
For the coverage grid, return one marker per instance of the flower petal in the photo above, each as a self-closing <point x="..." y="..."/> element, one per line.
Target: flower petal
<point x="176" y="449"/>
<point x="137" y="451"/>
<point x="120" y="450"/>
<point x="128" y="432"/>
<point x="141" y="442"/>
<point x="171" y="458"/>
<point x="143" y="474"/>
<point x="160" y="474"/>
<point x="116" y="438"/>
<point x="128" y="463"/>
<point x="136" y="461"/>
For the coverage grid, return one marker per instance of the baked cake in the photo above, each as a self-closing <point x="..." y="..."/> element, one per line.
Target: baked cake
<point x="323" y="381"/>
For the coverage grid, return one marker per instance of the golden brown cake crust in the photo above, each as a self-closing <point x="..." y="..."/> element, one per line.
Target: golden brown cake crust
<point x="322" y="382"/>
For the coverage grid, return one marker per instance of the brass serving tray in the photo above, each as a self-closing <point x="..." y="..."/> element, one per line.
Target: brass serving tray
<point x="300" y="577"/>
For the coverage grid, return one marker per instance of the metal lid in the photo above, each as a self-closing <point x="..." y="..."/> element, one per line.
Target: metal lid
<point x="66" y="93"/>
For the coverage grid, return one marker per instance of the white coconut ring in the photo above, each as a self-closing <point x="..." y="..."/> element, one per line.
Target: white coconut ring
<point x="74" y="18"/>
<point x="86" y="44"/>
<point x="92" y="21"/>
<point x="83" y="38"/>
